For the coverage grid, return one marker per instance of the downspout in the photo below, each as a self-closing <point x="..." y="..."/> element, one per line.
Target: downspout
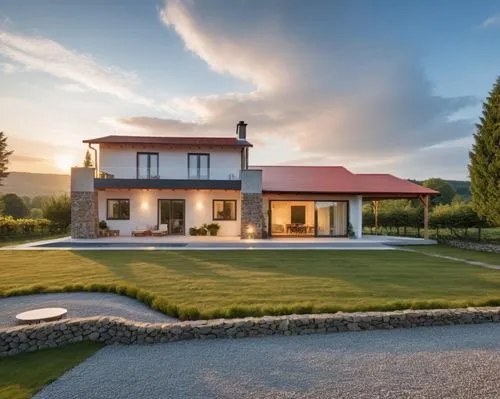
<point x="95" y="160"/>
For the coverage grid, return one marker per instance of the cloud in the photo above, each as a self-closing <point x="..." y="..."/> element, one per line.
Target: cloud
<point x="491" y="22"/>
<point x="71" y="88"/>
<point x="8" y="68"/>
<point x="28" y="159"/>
<point x="366" y="98"/>
<point x="45" y="55"/>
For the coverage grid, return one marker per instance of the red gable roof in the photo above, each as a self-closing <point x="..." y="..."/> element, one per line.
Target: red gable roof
<point x="181" y="141"/>
<point x="335" y="179"/>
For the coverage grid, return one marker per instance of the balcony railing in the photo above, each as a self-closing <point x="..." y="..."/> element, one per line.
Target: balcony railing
<point x="110" y="172"/>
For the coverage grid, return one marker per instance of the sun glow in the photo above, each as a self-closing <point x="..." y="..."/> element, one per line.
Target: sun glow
<point x="64" y="162"/>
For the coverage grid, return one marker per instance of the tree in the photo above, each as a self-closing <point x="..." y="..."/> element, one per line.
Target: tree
<point x="446" y="192"/>
<point x="484" y="167"/>
<point x="87" y="162"/>
<point x="4" y="157"/>
<point x="14" y="206"/>
<point x="39" y="201"/>
<point x="36" y="213"/>
<point x="58" y="211"/>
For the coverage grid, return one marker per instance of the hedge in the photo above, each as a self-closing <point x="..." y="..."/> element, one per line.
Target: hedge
<point x="457" y="218"/>
<point x="10" y="226"/>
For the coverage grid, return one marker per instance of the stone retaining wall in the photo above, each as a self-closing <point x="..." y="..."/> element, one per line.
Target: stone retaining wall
<point x="112" y="330"/>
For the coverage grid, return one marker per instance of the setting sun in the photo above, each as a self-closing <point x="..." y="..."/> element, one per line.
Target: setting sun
<point x="64" y="162"/>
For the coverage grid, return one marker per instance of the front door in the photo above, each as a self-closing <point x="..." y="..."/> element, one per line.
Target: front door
<point x="171" y="216"/>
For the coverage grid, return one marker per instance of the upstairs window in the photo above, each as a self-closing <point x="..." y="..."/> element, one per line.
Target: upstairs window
<point x="118" y="209"/>
<point x="198" y="166"/>
<point x="148" y="165"/>
<point x="224" y="210"/>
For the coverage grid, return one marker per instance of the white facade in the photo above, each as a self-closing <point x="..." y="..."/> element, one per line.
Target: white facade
<point x="120" y="160"/>
<point x="144" y="209"/>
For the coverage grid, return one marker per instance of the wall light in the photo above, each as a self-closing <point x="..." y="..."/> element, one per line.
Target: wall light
<point x="250" y="231"/>
<point x="199" y="205"/>
<point x="145" y="205"/>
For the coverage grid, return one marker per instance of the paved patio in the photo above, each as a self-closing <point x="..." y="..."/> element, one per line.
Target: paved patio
<point x="222" y="243"/>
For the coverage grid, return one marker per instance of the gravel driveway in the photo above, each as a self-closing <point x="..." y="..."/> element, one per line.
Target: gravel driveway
<point x="80" y="304"/>
<point x="432" y="362"/>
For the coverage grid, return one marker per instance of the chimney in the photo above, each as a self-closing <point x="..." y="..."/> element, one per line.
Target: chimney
<point x="241" y="130"/>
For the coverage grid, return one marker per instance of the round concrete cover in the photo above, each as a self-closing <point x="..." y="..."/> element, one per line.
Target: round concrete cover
<point x="44" y="314"/>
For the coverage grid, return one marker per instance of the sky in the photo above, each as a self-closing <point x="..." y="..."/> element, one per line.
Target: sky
<point x="381" y="87"/>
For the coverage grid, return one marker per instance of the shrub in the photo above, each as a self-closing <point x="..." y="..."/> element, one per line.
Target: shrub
<point x="103" y="225"/>
<point x="10" y="226"/>
<point x="205" y="229"/>
<point x="58" y="211"/>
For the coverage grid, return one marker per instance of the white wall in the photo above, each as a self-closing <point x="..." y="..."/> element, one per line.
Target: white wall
<point x="144" y="208"/>
<point x="356" y="215"/>
<point x="121" y="160"/>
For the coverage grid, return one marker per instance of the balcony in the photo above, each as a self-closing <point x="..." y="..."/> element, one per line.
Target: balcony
<point x="167" y="178"/>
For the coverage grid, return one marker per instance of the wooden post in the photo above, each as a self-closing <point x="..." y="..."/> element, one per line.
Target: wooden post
<point x="375" y="211"/>
<point x="425" y="201"/>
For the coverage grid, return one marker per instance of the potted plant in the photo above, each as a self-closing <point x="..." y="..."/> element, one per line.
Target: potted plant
<point x="193" y="231"/>
<point x="350" y="231"/>
<point x="213" y="228"/>
<point x="203" y="230"/>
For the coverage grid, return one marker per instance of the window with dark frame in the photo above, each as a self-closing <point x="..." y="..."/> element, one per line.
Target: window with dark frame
<point x="148" y="164"/>
<point x="224" y="210"/>
<point x="198" y="166"/>
<point x="118" y="209"/>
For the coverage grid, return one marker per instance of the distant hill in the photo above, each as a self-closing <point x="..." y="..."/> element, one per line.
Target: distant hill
<point x="462" y="187"/>
<point x="31" y="184"/>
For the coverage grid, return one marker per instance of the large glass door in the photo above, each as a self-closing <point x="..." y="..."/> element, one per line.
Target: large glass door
<point x="171" y="216"/>
<point x="331" y="218"/>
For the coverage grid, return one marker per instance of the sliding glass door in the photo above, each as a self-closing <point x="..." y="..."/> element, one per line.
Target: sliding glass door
<point x="171" y="216"/>
<point x="308" y="218"/>
<point x="331" y="218"/>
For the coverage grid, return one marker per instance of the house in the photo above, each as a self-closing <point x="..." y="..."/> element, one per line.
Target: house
<point x="174" y="183"/>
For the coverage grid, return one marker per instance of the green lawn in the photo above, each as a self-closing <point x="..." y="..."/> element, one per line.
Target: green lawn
<point x="486" y="257"/>
<point x="488" y="235"/>
<point x="208" y="284"/>
<point x="21" y="376"/>
<point x="23" y="239"/>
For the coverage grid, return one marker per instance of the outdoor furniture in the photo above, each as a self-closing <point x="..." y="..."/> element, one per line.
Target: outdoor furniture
<point x="40" y="315"/>
<point x="141" y="233"/>
<point x="108" y="233"/>
<point x="159" y="233"/>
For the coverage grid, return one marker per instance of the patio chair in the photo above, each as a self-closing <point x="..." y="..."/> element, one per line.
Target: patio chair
<point x="141" y="232"/>
<point x="159" y="232"/>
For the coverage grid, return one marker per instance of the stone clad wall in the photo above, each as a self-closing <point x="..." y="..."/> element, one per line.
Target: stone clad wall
<point x="110" y="330"/>
<point x="251" y="215"/>
<point x="84" y="215"/>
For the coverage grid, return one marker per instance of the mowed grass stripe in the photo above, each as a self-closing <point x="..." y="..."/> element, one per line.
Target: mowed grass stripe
<point x="206" y="284"/>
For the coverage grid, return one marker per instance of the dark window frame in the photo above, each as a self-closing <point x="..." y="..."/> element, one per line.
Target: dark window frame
<point x="149" y="165"/>
<point x="224" y="219"/>
<point x="158" y="219"/>
<point x="117" y="199"/>
<point x="198" y="154"/>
